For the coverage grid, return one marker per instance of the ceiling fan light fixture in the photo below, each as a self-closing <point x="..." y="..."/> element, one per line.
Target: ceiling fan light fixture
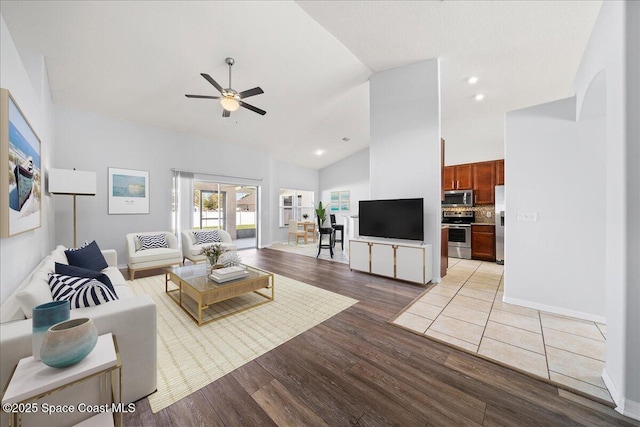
<point x="229" y="103"/>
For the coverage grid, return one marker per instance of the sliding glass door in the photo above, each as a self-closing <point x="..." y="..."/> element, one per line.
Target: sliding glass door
<point x="227" y="206"/>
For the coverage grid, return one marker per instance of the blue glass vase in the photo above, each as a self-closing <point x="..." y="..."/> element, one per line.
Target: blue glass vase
<point x="44" y="316"/>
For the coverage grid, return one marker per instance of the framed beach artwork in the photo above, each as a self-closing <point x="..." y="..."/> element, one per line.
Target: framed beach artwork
<point x="335" y="202"/>
<point x="21" y="181"/>
<point x="340" y="201"/>
<point x="128" y="191"/>
<point x="344" y="201"/>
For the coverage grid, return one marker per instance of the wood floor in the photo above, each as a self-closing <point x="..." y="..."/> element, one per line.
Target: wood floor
<point x="356" y="369"/>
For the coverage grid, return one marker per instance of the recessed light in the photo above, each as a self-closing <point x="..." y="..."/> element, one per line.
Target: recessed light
<point x="472" y="80"/>
<point x="479" y="97"/>
<point x="318" y="152"/>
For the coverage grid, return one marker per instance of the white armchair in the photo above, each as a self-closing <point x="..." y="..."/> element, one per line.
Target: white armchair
<point x="191" y="250"/>
<point x="146" y="259"/>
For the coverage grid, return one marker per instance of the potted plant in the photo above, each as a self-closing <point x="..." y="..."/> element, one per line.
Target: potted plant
<point x="321" y="213"/>
<point x="213" y="254"/>
<point x="305" y="216"/>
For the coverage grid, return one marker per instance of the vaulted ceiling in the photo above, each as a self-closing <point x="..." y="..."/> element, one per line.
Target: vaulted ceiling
<point x="135" y="60"/>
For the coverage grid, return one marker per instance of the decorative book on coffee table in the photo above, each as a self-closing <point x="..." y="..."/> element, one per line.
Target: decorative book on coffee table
<point x="228" y="273"/>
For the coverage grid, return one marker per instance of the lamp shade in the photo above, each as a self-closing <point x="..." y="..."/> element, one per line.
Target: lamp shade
<point x="68" y="181"/>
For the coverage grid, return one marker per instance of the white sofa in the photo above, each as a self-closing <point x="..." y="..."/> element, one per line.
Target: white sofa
<point x="131" y="319"/>
<point x="191" y="249"/>
<point x="151" y="258"/>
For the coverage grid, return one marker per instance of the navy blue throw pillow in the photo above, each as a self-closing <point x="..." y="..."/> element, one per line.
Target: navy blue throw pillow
<point x="73" y="271"/>
<point x="87" y="256"/>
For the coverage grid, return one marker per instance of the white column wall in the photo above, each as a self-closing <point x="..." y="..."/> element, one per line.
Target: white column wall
<point x="405" y="141"/>
<point x="614" y="47"/>
<point x="555" y="169"/>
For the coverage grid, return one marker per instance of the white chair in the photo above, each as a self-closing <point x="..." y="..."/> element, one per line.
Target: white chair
<point x="147" y="259"/>
<point x="191" y="249"/>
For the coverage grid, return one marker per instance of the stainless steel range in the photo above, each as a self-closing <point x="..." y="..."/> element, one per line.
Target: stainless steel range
<point x="459" y="232"/>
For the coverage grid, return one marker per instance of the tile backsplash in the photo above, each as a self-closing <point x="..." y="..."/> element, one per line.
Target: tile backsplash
<point x="481" y="213"/>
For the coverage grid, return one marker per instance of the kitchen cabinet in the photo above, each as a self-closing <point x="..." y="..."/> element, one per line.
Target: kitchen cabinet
<point x="500" y="172"/>
<point x="483" y="242"/>
<point x="458" y="177"/>
<point x="484" y="182"/>
<point x="404" y="261"/>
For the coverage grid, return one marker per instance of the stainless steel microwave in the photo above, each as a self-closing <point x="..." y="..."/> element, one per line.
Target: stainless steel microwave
<point x="457" y="198"/>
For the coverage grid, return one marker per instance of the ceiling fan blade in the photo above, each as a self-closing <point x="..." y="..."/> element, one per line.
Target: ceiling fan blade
<point x="250" y="92"/>
<point x="213" y="82"/>
<point x="252" y="108"/>
<point x="202" y="96"/>
<point x="225" y="113"/>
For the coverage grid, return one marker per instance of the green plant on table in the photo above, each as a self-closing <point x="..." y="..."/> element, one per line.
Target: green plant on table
<point x="213" y="252"/>
<point x="321" y="213"/>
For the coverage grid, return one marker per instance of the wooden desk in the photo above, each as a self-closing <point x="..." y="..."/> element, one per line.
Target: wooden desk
<point x="309" y="229"/>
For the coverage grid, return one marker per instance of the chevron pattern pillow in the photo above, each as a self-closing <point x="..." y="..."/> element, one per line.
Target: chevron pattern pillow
<point x="80" y="291"/>
<point x="152" y="241"/>
<point x="207" y="236"/>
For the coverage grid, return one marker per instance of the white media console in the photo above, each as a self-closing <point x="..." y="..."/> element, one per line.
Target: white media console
<point x="396" y="259"/>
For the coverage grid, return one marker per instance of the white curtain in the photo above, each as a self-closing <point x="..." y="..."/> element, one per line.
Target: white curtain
<point x="183" y="202"/>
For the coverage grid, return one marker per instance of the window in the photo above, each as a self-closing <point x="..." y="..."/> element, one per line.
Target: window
<point x="294" y="204"/>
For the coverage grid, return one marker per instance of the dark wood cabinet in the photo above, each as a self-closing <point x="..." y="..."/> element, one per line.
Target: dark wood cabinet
<point x="484" y="183"/>
<point x="444" y="251"/>
<point x="481" y="177"/>
<point x="500" y="172"/>
<point x="483" y="242"/>
<point x="458" y="177"/>
<point x="449" y="178"/>
<point x="464" y="176"/>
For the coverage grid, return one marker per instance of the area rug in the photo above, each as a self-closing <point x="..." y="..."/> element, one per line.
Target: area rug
<point x="190" y="357"/>
<point x="311" y="250"/>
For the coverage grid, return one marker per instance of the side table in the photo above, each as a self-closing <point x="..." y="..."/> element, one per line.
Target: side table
<point x="32" y="380"/>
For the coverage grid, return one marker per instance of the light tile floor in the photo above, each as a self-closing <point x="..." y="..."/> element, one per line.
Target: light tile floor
<point x="466" y="310"/>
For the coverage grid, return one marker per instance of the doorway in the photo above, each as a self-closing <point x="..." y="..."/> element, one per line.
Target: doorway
<point x="227" y="206"/>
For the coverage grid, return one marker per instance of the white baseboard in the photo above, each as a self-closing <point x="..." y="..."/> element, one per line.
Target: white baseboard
<point x="555" y="310"/>
<point x="626" y="407"/>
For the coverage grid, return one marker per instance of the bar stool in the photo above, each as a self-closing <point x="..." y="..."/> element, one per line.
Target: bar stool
<point x="325" y="231"/>
<point x="336" y="228"/>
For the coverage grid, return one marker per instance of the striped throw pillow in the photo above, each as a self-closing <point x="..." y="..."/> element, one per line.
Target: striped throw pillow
<point x="80" y="291"/>
<point x="207" y="236"/>
<point x="152" y="241"/>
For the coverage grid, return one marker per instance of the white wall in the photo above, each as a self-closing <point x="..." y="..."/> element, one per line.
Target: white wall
<point x="93" y="142"/>
<point x="291" y="177"/>
<point x="461" y="146"/>
<point x="24" y="74"/>
<point x="555" y="169"/>
<point x="614" y="46"/>
<point x="405" y="142"/>
<point x="352" y="174"/>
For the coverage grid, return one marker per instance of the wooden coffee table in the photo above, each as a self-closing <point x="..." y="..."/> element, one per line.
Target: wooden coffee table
<point x="195" y="291"/>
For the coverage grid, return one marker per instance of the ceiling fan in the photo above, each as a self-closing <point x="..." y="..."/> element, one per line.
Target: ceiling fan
<point x="231" y="100"/>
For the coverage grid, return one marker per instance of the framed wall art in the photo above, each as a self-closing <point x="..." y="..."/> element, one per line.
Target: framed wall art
<point x="335" y="202"/>
<point x="21" y="181"/>
<point x="345" y="201"/>
<point x="128" y="191"/>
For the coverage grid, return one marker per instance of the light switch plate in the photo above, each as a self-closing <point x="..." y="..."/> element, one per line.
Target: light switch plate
<point x="527" y="216"/>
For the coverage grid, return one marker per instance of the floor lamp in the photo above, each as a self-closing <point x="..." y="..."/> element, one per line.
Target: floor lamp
<point x="74" y="183"/>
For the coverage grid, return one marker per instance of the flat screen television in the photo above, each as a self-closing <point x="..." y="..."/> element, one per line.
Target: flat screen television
<point x="394" y="219"/>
